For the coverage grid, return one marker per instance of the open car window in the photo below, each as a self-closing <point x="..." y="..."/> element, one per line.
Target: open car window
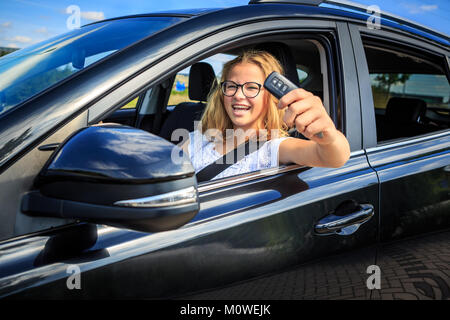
<point x="179" y="101"/>
<point x="309" y="65"/>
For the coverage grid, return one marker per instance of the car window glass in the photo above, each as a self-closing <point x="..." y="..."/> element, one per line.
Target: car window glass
<point x="130" y="105"/>
<point x="180" y="88"/>
<point x="302" y="74"/>
<point x="410" y="93"/>
<point x="434" y="89"/>
<point x="25" y="73"/>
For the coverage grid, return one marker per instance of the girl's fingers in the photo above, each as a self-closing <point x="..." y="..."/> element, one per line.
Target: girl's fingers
<point x="294" y="110"/>
<point x="323" y="126"/>
<point x="301" y="106"/>
<point x="305" y="119"/>
<point x="314" y="127"/>
<point x="293" y="96"/>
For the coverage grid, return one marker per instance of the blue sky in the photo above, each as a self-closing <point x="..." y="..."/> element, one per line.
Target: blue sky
<point x="25" y="22"/>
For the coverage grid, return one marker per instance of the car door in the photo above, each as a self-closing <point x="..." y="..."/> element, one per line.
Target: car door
<point x="247" y="226"/>
<point x="410" y="156"/>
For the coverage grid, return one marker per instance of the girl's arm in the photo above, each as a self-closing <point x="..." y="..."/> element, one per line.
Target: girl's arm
<point x="307" y="113"/>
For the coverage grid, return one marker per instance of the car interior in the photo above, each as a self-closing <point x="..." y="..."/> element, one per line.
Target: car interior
<point x="154" y="113"/>
<point x="411" y="93"/>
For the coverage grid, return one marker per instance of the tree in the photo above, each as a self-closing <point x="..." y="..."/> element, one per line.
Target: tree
<point x="386" y="80"/>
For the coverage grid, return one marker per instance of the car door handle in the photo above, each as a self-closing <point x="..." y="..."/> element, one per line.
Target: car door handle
<point x="344" y="225"/>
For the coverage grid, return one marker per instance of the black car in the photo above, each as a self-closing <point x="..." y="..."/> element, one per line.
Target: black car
<point x="94" y="207"/>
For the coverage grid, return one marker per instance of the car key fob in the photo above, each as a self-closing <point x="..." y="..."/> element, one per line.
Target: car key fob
<point x="279" y="85"/>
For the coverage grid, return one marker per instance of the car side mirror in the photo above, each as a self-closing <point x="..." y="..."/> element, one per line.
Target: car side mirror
<point x="119" y="176"/>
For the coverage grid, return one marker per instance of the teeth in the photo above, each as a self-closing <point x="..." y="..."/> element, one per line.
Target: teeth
<point x="241" y="107"/>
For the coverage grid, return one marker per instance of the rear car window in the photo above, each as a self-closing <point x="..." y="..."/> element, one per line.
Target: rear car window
<point x="411" y="93"/>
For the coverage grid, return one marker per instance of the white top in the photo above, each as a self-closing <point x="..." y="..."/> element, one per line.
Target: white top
<point x="202" y="153"/>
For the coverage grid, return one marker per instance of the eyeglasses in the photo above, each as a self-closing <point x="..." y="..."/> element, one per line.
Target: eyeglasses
<point x="249" y="89"/>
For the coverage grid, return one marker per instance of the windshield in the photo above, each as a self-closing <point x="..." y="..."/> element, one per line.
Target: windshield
<point x="29" y="71"/>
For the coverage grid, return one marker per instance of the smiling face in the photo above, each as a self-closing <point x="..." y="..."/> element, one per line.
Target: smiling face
<point x="246" y="113"/>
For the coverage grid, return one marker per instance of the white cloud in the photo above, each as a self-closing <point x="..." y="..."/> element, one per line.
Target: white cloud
<point x="12" y="45"/>
<point x="415" y="9"/>
<point x="428" y="7"/>
<point x="21" y="39"/>
<point x="42" y="30"/>
<point x="75" y="11"/>
<point x="6" y="24"/>
<point x="93" y="15"/>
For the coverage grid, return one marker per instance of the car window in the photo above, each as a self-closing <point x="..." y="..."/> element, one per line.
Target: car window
<point x="180" y="88"/>
<point x="302" y="74"/>
<point x="308" y="63"/>
<point x="172" y="114"/>
<point x="411" y="93"/>
<point x="130" y="105"/>
<point x="27" y="72"/>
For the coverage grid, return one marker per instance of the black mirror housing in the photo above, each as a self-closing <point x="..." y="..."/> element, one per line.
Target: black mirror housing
<point x="117" y="175"/>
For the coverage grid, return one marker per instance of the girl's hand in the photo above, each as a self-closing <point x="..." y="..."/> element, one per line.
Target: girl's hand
<point x="307" y="113"/>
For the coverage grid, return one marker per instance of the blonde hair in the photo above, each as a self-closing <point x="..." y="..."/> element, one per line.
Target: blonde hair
<point x="215" y="115"/>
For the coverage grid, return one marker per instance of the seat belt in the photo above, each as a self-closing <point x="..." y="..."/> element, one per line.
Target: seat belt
<point x="218" y="166"/>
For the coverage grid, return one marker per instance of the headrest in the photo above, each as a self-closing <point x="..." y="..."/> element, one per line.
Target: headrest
<point x="201" y="79"/>
<point x="405" y="110"/>
<point x="284" y="55"/>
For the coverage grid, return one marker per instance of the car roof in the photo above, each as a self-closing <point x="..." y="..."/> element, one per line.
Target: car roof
<point x="330" y="8"/>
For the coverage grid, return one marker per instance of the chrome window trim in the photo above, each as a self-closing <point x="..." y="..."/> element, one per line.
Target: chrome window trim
<point x="395" y="144"/>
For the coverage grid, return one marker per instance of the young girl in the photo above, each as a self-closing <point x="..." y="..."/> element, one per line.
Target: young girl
<point x="241" y="109"/>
